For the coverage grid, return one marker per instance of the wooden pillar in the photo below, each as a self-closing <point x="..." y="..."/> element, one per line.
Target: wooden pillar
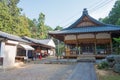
<point x="77" y="52"/>
<point x="26" y="54"/>
<point x="111" y="49"/>
<point x="81" y="48"/>
<point x="95" y="44"/>
<point x="47" y="51"/>
<point x="67" y="51"/>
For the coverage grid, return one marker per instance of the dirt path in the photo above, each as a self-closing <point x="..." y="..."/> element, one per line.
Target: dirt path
<point x="38" y="72"/>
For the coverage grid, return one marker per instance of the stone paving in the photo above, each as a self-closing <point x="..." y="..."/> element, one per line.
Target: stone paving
<point x="83" y="71"/>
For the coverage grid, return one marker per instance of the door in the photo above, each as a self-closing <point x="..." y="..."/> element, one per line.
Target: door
<point x="87" y="48"/>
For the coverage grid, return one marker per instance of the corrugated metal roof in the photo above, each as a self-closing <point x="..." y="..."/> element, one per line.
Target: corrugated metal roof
<point x="11" y="37"/>
<point x="89" y="29"/>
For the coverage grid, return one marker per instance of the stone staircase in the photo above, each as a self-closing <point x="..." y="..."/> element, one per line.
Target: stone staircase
<point x="86" y="58"/>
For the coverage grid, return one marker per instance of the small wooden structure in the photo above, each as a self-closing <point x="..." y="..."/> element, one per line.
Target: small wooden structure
<point x="45" y="46"/>
<point x="87" y="36"/>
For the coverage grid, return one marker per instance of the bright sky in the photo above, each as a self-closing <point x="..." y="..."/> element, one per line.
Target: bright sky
<point x="65" y="12"/>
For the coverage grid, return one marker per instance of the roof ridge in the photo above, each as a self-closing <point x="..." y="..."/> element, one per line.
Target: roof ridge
<point x="85" y="13"/>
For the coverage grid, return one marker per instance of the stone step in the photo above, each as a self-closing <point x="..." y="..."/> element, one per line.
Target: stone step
<point x="86" y="58"/>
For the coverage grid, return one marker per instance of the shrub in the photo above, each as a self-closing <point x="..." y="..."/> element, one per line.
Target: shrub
<point x="116" y="67"/>
<point x="103" y="65"/>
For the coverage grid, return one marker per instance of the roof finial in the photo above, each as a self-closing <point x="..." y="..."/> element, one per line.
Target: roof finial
<point x="85" y="11"/>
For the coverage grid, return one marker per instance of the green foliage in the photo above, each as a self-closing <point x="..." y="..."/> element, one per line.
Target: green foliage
<point x="117" y="40"/>
<point x="116" y="45"/>
<point x="113" y="17"/>
<point x="23" y="29"/>
<point x="42" y="32"/>
<point x="58" y="28"/>
<point x="60" y="50"/>
<point x="110" y="77"/>
<point x="103" y="65"/>
<point x="5" y="19"/>
<point x="11" y="21"/>
<point x="114" y="13"/>
<point x="33" y="27"/>
<point x="59" y="47"/>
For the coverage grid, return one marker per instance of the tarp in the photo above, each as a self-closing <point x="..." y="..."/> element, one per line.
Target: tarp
<point x="27" y="47"/>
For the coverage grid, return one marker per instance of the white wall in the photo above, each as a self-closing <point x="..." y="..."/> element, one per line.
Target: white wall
<point x="9" y="56"/>
<point x="51" y="52"/>
<point x="51" y="43"/>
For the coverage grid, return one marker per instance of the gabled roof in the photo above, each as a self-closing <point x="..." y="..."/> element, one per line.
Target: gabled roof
<point x="85" y="24"/>
<point x="44" y="42"/>
<point x="12" y="37"/>
<point x="85" y="18"/>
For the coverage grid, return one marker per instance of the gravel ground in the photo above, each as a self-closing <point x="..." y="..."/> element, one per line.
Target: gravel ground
<point x="38" y="72"/>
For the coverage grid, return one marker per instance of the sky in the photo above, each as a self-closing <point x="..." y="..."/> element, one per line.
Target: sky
<point x="64" y="12"/>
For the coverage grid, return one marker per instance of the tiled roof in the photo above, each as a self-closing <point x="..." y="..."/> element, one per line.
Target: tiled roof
<point x="42" y="42"/>
<point x="11" y="37"/>
<point x="88" y="30"/>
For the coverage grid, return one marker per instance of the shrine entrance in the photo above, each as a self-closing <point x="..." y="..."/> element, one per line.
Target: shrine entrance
<point x="87" y="49"/>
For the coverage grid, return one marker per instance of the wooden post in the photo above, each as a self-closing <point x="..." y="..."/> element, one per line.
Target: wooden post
<point x="77" y="44"/>
<point x="95" y="43"/>
<point x="111" y="49"/>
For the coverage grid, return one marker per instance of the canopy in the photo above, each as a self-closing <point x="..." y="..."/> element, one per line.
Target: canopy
<point x="26" y="47"/>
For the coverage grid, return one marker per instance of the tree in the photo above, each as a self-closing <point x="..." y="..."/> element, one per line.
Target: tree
<point x="113" y="17"/>
<point x="58" y="28"/>
<point x="5" y="18"/>
<point x="48" y="28"/>
<point x="42" y="28"/>
<point x="14" y="11"/>
<point x="59" y="45"/>
<point x="32" y="28"/>
<point x="10" y="19"/>
<point x="23" y="29"/>
<point x="114" y="13"/>
<point x="117" y="45"/>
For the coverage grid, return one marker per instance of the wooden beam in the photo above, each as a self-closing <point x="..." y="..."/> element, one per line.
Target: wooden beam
<point x="89" y="40"/>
